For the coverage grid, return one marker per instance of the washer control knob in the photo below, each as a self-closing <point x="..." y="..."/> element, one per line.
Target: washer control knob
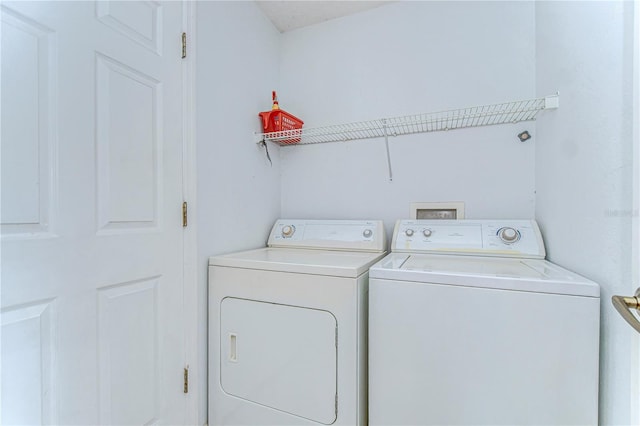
<point x="367" y="233"/>
<point x="288" y="230"/>
<point x="409" y="232"/>
<point x="427" y="232"/>
<point x="508" y="235"/>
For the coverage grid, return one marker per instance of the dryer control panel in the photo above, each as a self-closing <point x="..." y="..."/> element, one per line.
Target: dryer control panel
<point x="352" y="235"/>
<point x="504" y="238"/>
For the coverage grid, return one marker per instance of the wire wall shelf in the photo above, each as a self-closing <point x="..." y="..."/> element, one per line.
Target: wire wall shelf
<point x="485" y="115"/>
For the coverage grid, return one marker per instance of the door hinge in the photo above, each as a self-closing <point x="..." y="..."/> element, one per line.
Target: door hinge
<point x="184" y="45"/>
<point x="184" y="214"/>
<point x="186" y="380"/>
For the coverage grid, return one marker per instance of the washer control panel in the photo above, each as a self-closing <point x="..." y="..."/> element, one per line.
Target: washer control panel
<point x="506" y="238"/>
<point x="357" y="235"/>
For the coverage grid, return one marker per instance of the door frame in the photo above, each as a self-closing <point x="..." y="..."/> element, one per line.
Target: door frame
<point x="634" y="367"/>
<point x="190" y="242"/>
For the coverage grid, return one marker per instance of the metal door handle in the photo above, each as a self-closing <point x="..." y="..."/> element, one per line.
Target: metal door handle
<point x="624" y="305"/>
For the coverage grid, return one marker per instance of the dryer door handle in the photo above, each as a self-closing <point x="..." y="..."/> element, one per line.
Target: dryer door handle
<point x="233" y="347"/>
<point x="624" y="305"/>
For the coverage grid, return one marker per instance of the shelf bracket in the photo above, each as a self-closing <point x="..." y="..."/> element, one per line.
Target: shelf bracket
<point x="386" y="143"/>
<point x="552" y="101"/>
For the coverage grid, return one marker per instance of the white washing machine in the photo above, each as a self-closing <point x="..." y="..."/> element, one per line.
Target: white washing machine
<point x="288" y="326"/>
<point x="469" y="325"/>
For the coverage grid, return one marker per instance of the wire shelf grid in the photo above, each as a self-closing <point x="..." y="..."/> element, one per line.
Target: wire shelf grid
<point x="485" y="115"/>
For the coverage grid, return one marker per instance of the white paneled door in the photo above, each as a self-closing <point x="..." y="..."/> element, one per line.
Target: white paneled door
<point x="92" y="236"/>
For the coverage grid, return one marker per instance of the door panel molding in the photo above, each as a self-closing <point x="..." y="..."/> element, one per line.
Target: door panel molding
<point x="29" y="118"/>
<point x="128" y="148"/>
<point x="120" y="16"/>
<point x="128" y="345"/>
<point x="29" y="348"/>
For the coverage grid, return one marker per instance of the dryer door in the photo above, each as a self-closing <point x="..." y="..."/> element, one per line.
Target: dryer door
<point x="280" y="356"/>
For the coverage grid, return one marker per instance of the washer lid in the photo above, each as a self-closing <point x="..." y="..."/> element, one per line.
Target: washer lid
<point x="350" y="264"/>
<point x="539" y="276"/>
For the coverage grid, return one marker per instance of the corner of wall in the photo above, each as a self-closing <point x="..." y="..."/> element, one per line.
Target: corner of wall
<point x="583" y="167"/>
<point x="238" y="191"/>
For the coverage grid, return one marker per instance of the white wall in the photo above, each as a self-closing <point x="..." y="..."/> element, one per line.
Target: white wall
<point x="411" y="57"/>
<point x="238" y="191"/>
<point x="584" y="166"/>
<point x="408" y="58"/>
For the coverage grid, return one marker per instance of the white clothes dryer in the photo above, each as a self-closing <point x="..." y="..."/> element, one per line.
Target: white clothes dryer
<point x="469" y="325"/>
<point x="288" y="326"/>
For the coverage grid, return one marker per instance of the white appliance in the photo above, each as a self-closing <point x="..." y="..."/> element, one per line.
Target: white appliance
<point x="469" y="325"/>
<point x="288" y="326"/>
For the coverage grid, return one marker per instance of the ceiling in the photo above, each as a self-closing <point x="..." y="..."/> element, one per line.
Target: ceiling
<point x="289" y="15"/>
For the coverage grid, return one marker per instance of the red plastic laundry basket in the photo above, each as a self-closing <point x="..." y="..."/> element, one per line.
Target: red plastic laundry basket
<point x="278" y="120"/>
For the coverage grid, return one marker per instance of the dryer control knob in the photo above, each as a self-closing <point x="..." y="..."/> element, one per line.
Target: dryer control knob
<point x="288" y="230"/>
<point x="408" y="232"/>
<point x="367" y="233"/>
<point x="508" y="235"/>
<point x="427" y="233"/>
